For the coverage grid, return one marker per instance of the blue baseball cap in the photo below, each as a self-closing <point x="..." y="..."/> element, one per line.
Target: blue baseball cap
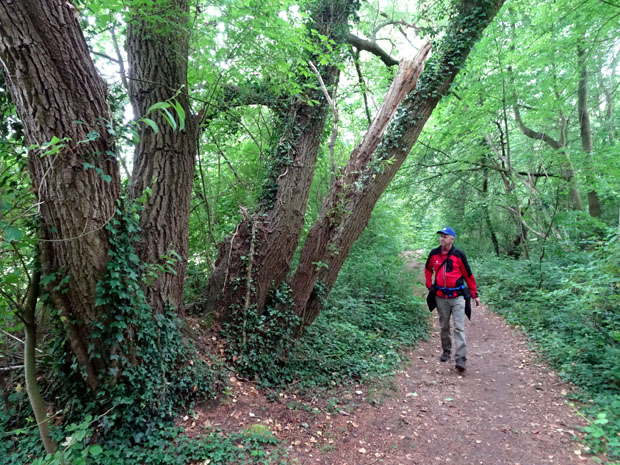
<point x="447" y="230"/>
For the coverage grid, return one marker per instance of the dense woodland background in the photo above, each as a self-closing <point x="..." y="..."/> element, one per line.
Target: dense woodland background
<point x="253" y="171"/>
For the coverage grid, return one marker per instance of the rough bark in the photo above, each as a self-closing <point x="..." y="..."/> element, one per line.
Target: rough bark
<point x="272" y="233"/>
<point x="329" y="241"/>
<point x="334" y="213"/>
<point x="164" y="161"/>
<point x="58" y="93"/>
<point x="594" y="204"/>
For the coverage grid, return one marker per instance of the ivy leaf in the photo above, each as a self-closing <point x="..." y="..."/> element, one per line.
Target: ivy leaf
<point x="91" y="136"/>
<point x="95" y="450"/>
<point x="48" y="278"/>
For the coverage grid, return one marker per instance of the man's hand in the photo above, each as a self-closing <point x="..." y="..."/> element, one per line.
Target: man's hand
<point x="477" y="300"/>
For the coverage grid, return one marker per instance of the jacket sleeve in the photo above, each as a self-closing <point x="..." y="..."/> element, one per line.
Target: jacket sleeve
<point x="428" y="273"/>
<point x="469" y="277"/>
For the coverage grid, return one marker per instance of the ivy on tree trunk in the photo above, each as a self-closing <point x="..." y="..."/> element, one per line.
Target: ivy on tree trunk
<point x="350" y="201"/>
<point x="265" y="241"/>
<point x="62" y="103"/>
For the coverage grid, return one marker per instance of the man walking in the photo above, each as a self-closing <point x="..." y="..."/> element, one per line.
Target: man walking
<point x="452" y="272"/>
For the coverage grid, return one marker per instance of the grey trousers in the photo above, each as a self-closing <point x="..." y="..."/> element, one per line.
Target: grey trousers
<point x="456" y="308"/>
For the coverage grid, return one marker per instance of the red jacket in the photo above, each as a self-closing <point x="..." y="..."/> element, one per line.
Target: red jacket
<point x="454" y="273"/>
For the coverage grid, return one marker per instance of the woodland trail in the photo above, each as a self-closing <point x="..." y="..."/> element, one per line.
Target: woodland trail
<point x="507" y="409"/>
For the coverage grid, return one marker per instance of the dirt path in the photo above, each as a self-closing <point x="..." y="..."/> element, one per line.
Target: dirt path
<point x="508" y="408"/>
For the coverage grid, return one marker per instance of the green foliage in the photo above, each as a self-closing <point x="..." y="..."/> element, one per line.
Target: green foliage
<point x="569" y="304"/>
<point x="358" y="337"/>
<point x="75" y="449"/>
<point x="363" y="327"/>
<point x="152" y="371"/>
<point x="17" y="222"/>
<point x="259" y="343"/>
<point x="154" y="374"/>
<point x="230" y="174"/>
<point x="457" y="177"/>
<point x="167" y="446"/>
<point x="17" y="229"/>
<point x="370" y="315"/>
<point x="473" y="167"/>
<point x="16" y="435"/>
<point x="164" y="108"/>
<point x="18" y="226"/>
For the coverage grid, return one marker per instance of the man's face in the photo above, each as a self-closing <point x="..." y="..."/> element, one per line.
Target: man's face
<point x="445" y="240"/>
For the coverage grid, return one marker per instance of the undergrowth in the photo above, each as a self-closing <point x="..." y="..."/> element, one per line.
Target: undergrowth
<point x="568" y="304"/>
<point x="152" y="374"/>
<point x="370" y="316"/>
<point x="165" y="446"/>
<point x="358" y="337"/>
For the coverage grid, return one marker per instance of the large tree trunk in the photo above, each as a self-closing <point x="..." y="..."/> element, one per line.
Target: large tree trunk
<point x="331" y="239"/>
<point x="164" y="160"/>
<point x="594" y="204"/>
<point x="58" y="93"/>
<point x="257" y="256"/>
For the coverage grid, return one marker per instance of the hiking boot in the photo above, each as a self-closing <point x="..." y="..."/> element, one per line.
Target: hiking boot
<point x="460" y="366"/>
<point x="445" y="356"/>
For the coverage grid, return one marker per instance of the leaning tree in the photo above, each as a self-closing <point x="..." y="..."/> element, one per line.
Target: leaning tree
<point x="75" y="171"/>
<point x="257" y="257"/>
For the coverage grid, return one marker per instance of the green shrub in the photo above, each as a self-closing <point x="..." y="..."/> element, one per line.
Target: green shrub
<point x="356" y="339"/>
<point x="260" y="343"/>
